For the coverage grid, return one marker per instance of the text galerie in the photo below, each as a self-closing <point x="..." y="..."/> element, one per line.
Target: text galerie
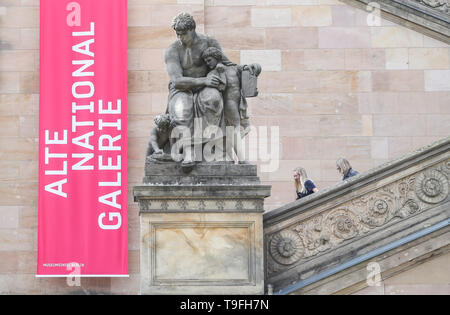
<point x="83" y="135"/>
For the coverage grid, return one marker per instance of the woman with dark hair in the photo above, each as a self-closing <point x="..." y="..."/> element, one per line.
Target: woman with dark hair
<point x="303" y="185"/>
<point x="343" y="166"/>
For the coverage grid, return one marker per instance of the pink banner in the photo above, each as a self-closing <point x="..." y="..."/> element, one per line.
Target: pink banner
<point x="83" y="138"/>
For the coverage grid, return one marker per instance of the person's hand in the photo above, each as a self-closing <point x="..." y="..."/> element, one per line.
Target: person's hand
<point x="254" y="69"/>
<point x="212" y="81"/>
<point x="246" y="67"/>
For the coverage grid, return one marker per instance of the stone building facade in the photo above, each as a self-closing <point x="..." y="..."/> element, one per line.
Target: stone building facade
<point x="333" y="83"/>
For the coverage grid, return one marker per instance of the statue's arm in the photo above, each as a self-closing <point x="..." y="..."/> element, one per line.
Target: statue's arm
<point x="212" y="42"/>
<point x="176" y="73"/>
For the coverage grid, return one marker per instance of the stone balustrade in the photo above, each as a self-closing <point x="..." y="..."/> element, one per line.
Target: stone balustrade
<point x="336" y="225"/>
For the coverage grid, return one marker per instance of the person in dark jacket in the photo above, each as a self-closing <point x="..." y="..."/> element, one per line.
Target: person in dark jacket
<point x="303" y="185"/>
<point x="343" y="166"/>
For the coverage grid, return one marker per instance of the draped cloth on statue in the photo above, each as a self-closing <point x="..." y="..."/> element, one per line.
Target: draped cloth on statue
<point x="199" y="110"/>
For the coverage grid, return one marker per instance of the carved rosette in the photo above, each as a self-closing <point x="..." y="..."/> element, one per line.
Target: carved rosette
<point x="431" y="186"/>
<point x="286" y="247"/>
<point x="412" y="206"/>
<point x="343" y="224"/>
<point x="378" y="207"/>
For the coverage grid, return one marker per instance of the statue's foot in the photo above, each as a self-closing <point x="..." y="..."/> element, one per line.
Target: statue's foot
<point x="244" y="162"/>
<point x="160" y="158"/>
<point x="187" y="163"/>
<point x="187" y="166"/>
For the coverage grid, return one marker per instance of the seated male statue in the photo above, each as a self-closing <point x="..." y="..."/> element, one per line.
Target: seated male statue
<point x="193" y="96"/>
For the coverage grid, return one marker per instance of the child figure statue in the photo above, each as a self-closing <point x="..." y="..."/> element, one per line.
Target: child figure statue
<point x="159" y="138"/>
<point x="235" y="105"/>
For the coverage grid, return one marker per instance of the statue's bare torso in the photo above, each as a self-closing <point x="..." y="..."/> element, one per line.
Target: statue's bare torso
<point x="191" y="61"/>
<point x="187" y="71"/>
<point x="186" y="62"/>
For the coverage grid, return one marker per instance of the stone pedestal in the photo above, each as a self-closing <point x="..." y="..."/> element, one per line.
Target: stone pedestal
<point x="201" y="232"/>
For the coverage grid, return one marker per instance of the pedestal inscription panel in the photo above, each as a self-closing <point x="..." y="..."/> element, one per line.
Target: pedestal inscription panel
<point x="201" y="253"/>
<point x="221" y="252"/>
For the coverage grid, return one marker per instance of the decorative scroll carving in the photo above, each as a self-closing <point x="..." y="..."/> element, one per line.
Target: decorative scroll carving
<point x="403" y="198"/>
<point x="258" y="204"/>
<point x="220" y="204"/>
<point x="315" y="238"/>
<point x="430" y="17"/>
<point x="441" y="5"/>
<point x="183" y="204"/>
<point x="201" y="205"/>
<point x="164" y="205"/>
<point x="343" y="224"/>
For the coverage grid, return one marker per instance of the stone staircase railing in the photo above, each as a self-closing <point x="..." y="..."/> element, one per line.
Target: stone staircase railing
<point x="430" y="17"/>
<point x="326" y="230"/>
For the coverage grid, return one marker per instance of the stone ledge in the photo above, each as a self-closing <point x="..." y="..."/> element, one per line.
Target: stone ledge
<point x="192" y="191"/>
<point x="201" y="174"/>
<point x="193" y="199"/>
<point x="200" y="169"/>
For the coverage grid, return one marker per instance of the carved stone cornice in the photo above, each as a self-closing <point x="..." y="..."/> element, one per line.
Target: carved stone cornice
<point x="430" y="17"/>
<point x="369" y="210"/>
<point x="209" y="187"/>
<point x="438" y="5"/>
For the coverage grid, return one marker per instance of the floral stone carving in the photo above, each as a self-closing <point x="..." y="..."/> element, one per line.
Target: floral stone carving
<point x="441" y="5"/>
<point x="431" y="187"/>
<point x="398" y="200"/>
<point x="286" y="247"/>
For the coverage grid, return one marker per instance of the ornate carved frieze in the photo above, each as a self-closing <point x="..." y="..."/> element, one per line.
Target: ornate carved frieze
<point x="361" y="216"/>
<point x="199" y="205"/>
<point x="430" y="17"/>
<point x="440" y="5"/>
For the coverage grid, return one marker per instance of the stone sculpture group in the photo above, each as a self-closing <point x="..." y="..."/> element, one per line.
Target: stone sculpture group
<point x="207" y="109"/>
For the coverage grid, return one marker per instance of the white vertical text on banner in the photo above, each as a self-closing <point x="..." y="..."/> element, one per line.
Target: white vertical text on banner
<point x="83" y="138"/>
